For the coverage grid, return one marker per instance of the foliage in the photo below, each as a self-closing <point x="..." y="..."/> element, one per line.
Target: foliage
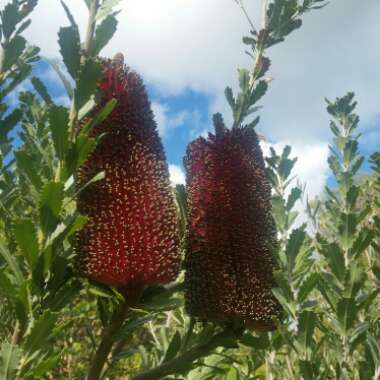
<point x="54" y="323"/>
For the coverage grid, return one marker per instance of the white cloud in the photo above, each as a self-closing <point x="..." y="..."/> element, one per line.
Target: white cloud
<point x="165" y="121"/>
<point x="177" y="176"/>
<point x="197" y="44"/>
<point x="311" y="167"/>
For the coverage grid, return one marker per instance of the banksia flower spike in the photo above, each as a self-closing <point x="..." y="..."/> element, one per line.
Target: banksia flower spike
<point x="130" y="240"/>
<point x="229" y="265"/>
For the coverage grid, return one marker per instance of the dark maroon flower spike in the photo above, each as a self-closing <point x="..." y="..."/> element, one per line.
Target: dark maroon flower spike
<point x="131" y="239"/>
<point x="231" y="232"/>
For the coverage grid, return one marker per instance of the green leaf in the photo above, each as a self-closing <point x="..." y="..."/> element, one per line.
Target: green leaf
<point x="26" y="166"/>
<point x="40" y="369"/>
<point x="259" y="91"/>
<point x="307" y="321"/>
<point x="293" y="247"/>
<point x="13" y="52"/>
<point x="376" y="272"/>
<point x="9" y="123"/>
<point x="307" y="286"/>
<point x="10" y="357"/>
<point x="51" y="200"/>
<point x="99" y="116"/>
<point x="40" y="87"/>
<point x="230" y="98"/>
<point x="173" y="347"/>
<point x="9" y="19"/>
<point x="40" y="332"/>
<point x="69" y="15"/>
<point x="6" y="287"/>
<point x="259" y="343"/>
<point x="88" y="78"/>
<point x="335" y="258"/>
<point x="233" y="374"/>
<point x="347" y="228"/>
<point x="69" y="42"/>
<point x="106" y="8"/>
<point x="359" y="332"/>
<point x="346" y="312"/>
<point x="12" y="262"/>
<point x="59" y="127"/>
<point x="26" y="238"/>
<point x="294" y="196"/>
<point x="103" y="34"/>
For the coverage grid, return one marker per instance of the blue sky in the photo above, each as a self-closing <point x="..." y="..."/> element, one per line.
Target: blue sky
<point x="187" y="51"/>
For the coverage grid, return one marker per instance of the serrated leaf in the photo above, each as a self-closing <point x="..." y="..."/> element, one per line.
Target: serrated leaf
<point x="9" y="123"/>
<point x="41" y="89"/>
<point x="40" y="332"/>
<point x="306" y="327"/>
<point x="23" y="26"/>
<point x="294" y="196"/>
<point x="26" y="166"/>
<point x="26" y="239"/>
<point x="103" y="34"/>
<point x="59" y="127"/>
<point x="335" y="258"/>
<point x="51" y="200"/>
<point x="259" y="91"/>
<point x="307" y="286"/>
<point x="293" y="247"/>
<point x="9" y="19"/>
<point x="88" y="78"/>
<point x="13" y="52"/>
<point x="230" y="98"/>
<point x="106" y="8"/>
<point x="69" y="42"/>
<point x="12" y="262"/>
<point x="10" y="357"/>
<point x="69" y="15"/>
<point x="346" y="312"/>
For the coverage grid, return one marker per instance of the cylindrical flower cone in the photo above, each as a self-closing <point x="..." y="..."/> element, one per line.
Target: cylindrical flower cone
<point x="231" y="233"/>
<point x="131" y="238"/>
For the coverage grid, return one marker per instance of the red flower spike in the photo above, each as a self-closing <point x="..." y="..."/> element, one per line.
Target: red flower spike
<point x="131" y="239"/>
<point x="229" y="265"/>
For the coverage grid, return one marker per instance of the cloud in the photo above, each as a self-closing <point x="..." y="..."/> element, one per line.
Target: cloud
<point x="311" y="167"/>
<point x="197" y="44"/>
<point x="177" y="176"/>
<point x="165" y="121"/>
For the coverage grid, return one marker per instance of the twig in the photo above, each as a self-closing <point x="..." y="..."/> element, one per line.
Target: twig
<point x="99" y="361"/>
<point x="91" y="25"/>
<point x="17" y="334"/>
<point x="241" y="5"/>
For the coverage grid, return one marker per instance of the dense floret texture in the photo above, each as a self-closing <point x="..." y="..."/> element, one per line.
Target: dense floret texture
<point x="231" y="232"/>
<point x="131" y="239"/>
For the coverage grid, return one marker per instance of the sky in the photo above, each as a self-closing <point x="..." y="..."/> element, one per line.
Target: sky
<point x="188" y="51"/>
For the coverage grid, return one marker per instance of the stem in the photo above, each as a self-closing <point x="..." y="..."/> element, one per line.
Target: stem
<point x="268" y="365"/>
<point x="99" y="361"/>
<point x="185" y="359"/>
<point x="91" y="25"/>
<point x="17" y="334"/>
<point x="115" y="352"/>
